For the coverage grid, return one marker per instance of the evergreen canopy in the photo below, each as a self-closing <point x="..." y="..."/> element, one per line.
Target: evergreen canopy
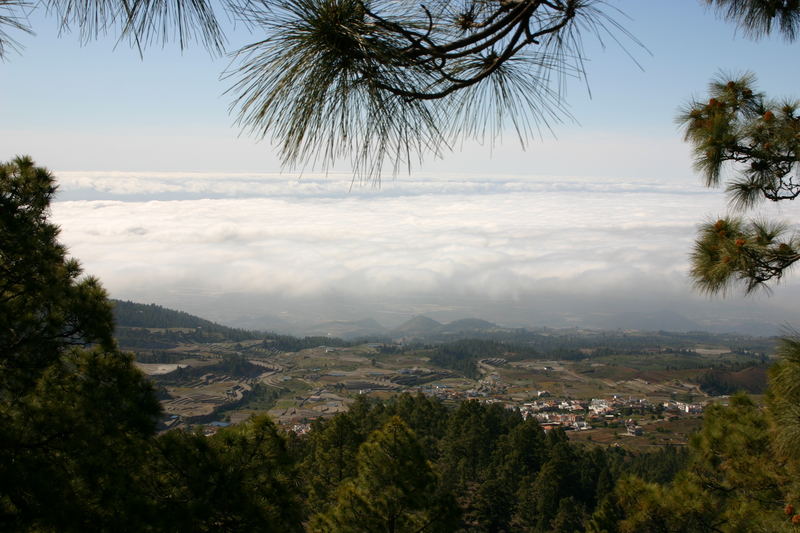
<point x="756" y="142"/>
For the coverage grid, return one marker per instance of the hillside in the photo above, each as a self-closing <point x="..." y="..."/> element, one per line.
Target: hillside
<point x="419" y="326"/>
<point x="136" y="315"/>
<point x="152" y="326"/>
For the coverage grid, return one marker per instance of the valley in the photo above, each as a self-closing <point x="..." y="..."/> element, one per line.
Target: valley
<point x="594" y="382"/>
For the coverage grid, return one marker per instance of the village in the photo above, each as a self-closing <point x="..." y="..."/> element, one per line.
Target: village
<point x="592" y="400"/>
<point x="569" y="415"/>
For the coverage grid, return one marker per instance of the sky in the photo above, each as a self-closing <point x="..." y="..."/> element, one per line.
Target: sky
<point x="164" y="199"/>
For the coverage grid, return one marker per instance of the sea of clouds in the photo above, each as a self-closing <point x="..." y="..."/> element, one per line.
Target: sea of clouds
<point x="516" y="249"/>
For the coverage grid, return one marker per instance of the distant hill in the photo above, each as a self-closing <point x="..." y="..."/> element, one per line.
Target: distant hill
<point x="422" y="327"/>
<point x="419" y="326"/>
<point x="136" y="315"/>
<point x="153" y="326"/>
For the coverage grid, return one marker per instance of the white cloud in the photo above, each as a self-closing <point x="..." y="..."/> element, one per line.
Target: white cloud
<point x="489" y="239"/>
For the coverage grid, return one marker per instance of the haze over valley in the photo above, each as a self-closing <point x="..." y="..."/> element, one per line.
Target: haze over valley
<point x="288" y="253"/>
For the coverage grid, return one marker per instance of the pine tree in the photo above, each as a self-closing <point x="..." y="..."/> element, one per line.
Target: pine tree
<point x="734" y="483"/>
<point x="75" y="414"/>
<point x="760" y="17"/>
<point x="241" y="479"/>
<point x="331" y="458"/>
<point x="759" y="140"/>
<point x="394" y="491"/>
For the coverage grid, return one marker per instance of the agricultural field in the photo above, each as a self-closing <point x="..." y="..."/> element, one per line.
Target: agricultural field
<point x="598" y="382"/>
<point x="230" y="381"/>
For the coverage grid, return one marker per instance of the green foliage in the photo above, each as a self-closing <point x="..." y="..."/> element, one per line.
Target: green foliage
<point x="133" y="315"/>
<point x="45" y="306"/>
<point x="502" y="471"/>
<point x="558" y="496"/>
<point x="569" y="518"/>
<point x="640" y="507"/>
<point x="261" y="398"/>
<point x="731" y="251"/>
<point x="75" y="412"/>
<point x="759" y="140"/>
<point x="241" y="479"/>
<point x="230" y="365"/>
<point x="382" y="81"/>
<point x="473" y="431"/>
<point x="315" y="85"/>
<point x="11" y="19"/>
<point x="736" y="476"/>
<point x="759" y="17"/>
<point x="784" y="399"/>
<point x="733" y="483"/>
<point x="426" y="417"/>
<point x="236" y="365"/>
<point x="718" y="459"/>
<point x="72" y="446"/>
<point x="393" y="491"/>
<point x="521" y="452"/>
<point x="147" y="22"/>
<point x="287" y="343"/>
<point x="660" y="466"/>
<point x="77" y="444"/>
<point x="751" y="379"/>
<point x="330" y="458"/>
<point x="463" y="355"/>
<point x="330" y="450"/>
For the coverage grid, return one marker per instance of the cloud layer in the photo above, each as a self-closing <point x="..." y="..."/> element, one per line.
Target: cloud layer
<point x="193" y="237"/>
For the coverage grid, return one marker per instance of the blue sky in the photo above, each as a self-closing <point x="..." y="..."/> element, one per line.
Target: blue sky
<point x="163" y="200"/>
<point x="97" y="106"/>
